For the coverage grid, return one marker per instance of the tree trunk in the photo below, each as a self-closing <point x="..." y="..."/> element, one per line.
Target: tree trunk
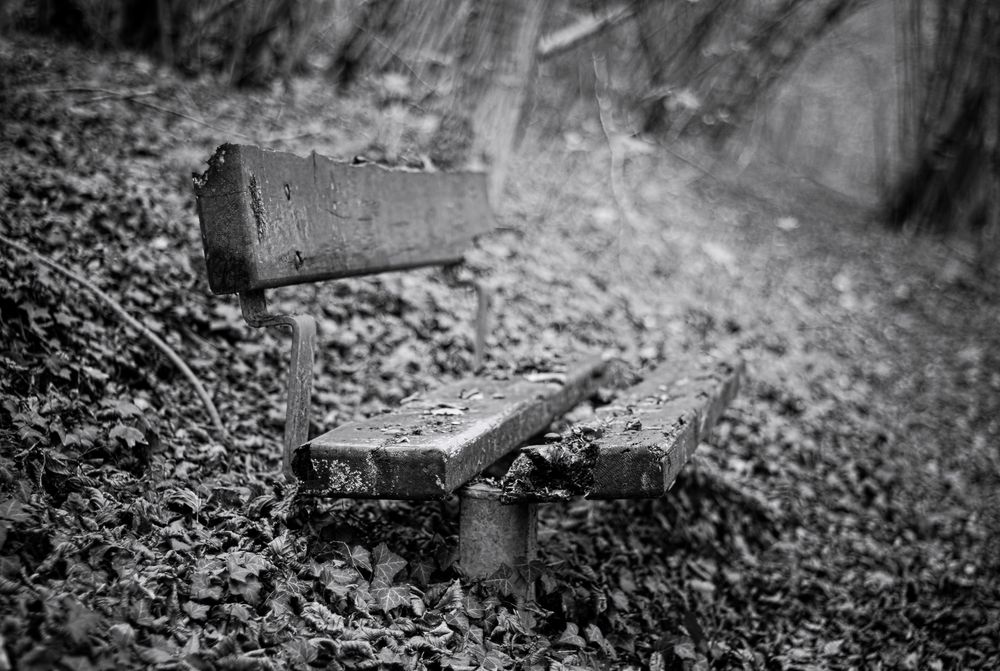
<point x="497" y="65"/>
<point x="673" y="37"/>
<point x="951" y="121"/>
<point x="713" y="60"/>
<point x="475" y="58"/>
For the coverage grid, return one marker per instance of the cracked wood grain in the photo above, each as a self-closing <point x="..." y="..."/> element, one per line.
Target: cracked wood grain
<point x="271" y="219"/>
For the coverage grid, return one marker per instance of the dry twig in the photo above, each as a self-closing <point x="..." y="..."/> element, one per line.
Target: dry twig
<point x="586" y="28"/>
<point x="135" y="324"/>
<point x="133" y="97"/>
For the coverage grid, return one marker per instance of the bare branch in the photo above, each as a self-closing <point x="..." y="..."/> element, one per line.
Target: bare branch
<point x="135" y="324"/>
<point x="586" y="28"/>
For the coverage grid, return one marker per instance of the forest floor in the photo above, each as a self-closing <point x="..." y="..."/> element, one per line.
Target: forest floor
<point x="846" y="513"/>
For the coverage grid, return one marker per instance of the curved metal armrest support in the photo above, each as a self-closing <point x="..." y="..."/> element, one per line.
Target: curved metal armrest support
<point x="484" y="297"/>
<point x="481" y="324"/>
<point x="300" y="368"/>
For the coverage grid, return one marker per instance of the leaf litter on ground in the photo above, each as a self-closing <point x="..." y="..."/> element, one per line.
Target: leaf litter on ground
<point x="844" y="515"/>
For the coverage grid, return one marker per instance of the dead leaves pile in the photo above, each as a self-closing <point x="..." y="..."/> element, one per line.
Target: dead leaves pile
<point x="826" y="527"/>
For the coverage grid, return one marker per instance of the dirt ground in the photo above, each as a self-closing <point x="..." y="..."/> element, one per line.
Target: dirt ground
<point x="846" y="513"/>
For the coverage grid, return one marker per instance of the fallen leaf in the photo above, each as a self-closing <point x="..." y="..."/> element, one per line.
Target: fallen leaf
<point x="787" y="223"/>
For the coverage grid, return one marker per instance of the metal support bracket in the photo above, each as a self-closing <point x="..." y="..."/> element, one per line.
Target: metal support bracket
<point x="300" y="368"/>
<point x="484" y="297"/>
<point x="493" y="534"/>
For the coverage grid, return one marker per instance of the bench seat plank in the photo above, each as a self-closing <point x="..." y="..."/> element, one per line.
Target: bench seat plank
<point x="272" y="219"/>
<point x="644" y="437"/>
<point x="438" y="441"/>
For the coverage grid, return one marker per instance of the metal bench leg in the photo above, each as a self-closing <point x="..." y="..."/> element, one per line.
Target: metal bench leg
<point x="300" y="368"/>
<point x="492" y="534"/>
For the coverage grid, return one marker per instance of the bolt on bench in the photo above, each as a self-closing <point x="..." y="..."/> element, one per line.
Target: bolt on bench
<point x="272" y="219"/>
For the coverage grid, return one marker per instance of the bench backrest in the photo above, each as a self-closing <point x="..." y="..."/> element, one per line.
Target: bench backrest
<point x="271" y="219"/>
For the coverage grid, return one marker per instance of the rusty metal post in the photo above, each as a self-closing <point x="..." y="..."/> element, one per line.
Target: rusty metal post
<point x="300" y="368"/>
<point x="492" y="534"/>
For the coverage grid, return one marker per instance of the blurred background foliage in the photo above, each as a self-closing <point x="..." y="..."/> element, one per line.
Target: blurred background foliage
<point x="892" y="102"/>
<point x="251" y="41"/>
<point x="949" y="120"/>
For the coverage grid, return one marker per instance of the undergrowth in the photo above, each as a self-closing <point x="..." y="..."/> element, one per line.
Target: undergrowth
<point x="844" y="515"/>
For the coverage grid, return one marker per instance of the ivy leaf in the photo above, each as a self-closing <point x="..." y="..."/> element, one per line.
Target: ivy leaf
<point x="237" y="611"/>
<point x="323" y="619"/>
<point x="496" y="661"/>
<point x="95" y="374"/>
<point x="13" y="510"/>
<point x="195" y="610"/>
<point x="282" y="546"/>
<point x="501" y="581"/>
<point x="81" y="622"/>
<point x="457" y="620"/>
<point x="685" y="650"/>
<point x="510" y="622"/>
<point x="154" y="656"/>
<point x="192" y="647"/>
<point x="357" y="556"/>
<point x="29" y="435"/>
<point x="248" y="588"/>
<point x="30" y="418"/>
<point x="452" y="597"/>
<point x="361" y="598"/>
<point x="125" y="409"/>
<point x="38" y="318"/>
<point x="183" y="500"/>
<point x="202" y="587"/>
<point x="388" y="598"/>
<point x="129" y="435"/>
<point x="619" y="599"/>
<point x="473" y="607"/>
<point x="243" y="569"/>
<point x="301" y="651"/>
<point x="421" y="571"/>
<point x="122" y="634"/>
<point x="571" y="637"/>
<point x="390" y="658"/>
<point x="387" y="565"/>
<point x="549" y="583"/>
<point x="340" y="581"/>
<point x="459" y="661"/>
<point x="84" y="436"/>
<point x="241" y="564"/>
<point x="595" y="636"/>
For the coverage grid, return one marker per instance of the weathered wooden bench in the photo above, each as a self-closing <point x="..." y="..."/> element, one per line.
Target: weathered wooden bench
<point x="272" y="219"/>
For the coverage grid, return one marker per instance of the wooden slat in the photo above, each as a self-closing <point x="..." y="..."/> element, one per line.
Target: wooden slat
<point x="272" y="219"/>
<point x="651" y="431"/>
<point x="439" y="441"/>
